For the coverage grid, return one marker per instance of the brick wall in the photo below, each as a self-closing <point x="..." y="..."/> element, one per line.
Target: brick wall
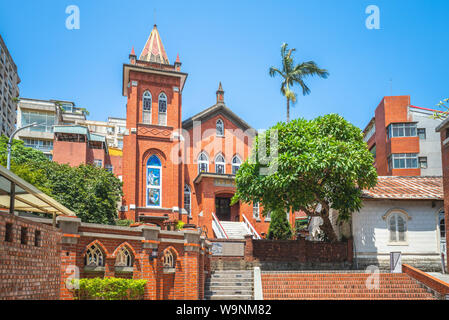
<point x="190" y="253"/>
<point x="30" y="270"/>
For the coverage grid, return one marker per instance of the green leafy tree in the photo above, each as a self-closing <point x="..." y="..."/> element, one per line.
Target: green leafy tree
<point x="280" y="228"/>
<point x="322" y="164"/>
<point x="292" y="74"/>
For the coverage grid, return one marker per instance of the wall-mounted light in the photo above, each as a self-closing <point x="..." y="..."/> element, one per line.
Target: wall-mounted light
<point x="153" y="255"/>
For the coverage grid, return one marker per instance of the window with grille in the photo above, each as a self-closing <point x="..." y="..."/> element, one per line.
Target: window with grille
<point x="124" y="258"/>
<point x="403" y="161"/>
<point x="94" y="257"/>
<point x="397" y="225"/>
<point x="162" y="109"/>
<point x="146" y="107"/>
<point x="220" y="165"/>
<point x="236" y="163"/>
<point x="401" y="130"/>
<point x="203" y="163"/>
<point x="220" y="128"/>
<point x="256" y="210"/>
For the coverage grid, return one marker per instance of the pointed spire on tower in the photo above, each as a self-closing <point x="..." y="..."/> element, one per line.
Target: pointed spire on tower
<point x="132" y="56"/>
<point x="154" y="49"/>
<point x="220" y="94"/>
<point x="133" y="53"/>
<point x="178" y="63"/>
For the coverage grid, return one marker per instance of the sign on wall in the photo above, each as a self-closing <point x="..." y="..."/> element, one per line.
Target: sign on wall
<point x="234" y="249"/>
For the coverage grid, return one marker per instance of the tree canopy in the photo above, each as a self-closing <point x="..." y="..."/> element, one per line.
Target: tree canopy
<point x="92" y="193"/>
<point x="321" y="164"/>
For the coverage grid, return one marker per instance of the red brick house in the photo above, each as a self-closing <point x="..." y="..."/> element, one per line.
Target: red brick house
<point x="181" y="170"/>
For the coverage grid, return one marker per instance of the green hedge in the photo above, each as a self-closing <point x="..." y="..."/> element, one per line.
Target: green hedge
<point x="110" y="289"/>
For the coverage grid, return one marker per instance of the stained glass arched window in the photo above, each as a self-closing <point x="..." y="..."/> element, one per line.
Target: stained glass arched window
<point x="220" y="164"/>
<point x="220" y="127"/>
<point x="236" y="162"/>
<point x="162" y="109"/>
<point x="154" y="182"/>
<point x="203" y="163"/>
<point x="146" y="107"/>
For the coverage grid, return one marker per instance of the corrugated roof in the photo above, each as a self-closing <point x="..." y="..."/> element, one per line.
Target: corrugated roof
<point x="417" y="187"/>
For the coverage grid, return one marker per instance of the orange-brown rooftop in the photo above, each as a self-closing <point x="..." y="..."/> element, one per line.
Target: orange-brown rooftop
<point x="397" y="187"/>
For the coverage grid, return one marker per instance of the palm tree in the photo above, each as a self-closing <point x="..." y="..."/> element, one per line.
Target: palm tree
<point x="293" y="74"/>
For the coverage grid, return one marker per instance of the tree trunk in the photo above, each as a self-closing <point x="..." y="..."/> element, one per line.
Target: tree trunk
<point x="327" y="228"/>
<point x="288" y="110"/>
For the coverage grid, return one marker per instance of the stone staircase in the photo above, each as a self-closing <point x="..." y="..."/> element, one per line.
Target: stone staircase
<point x="235" y="230"/>
<point x="230" y="285"/>
<point x="340" y="286"/>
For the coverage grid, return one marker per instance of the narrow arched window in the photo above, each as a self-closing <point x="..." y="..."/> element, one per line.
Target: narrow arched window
<point x="154" y="182"/>
<point x="256" y="210"/>
<point x="124" y="258"/>
<point x="146" y="107"/>
<point x="187" y="199"/>
<point x="220" y="165"/>
<point x="203" y="163"/>
<point x="236" y="163"/>
<point x="162" y="109"/>
<point x="94" y="256"/>
<point x="442" y="224"/>
<point x="169" y="259"/>
<point x="397" y="226"/>
<point x="220" y="127"/>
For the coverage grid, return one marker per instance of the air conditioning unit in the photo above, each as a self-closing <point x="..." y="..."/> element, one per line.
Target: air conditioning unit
<point x="123" y="208"/>
<point x="133" y="130"/>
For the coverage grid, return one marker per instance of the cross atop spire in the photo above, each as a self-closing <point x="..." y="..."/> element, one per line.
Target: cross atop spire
<point x="154" y="49"/>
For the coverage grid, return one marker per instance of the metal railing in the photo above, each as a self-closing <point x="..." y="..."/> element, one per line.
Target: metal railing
<point x="218" y="228"/>
<point x="250" y="227"/>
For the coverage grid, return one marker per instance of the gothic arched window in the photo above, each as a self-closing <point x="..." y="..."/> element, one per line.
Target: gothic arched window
<point x="220" y="165"/>
<point x="154" y="182"/>
<point x="162" y="109"/>
<point x="94" y="256"/>
<point x="220" y="127"/>
<point x="236" y="162"/>
<point x="187" y="199"/>
<point x="203" y="163"/>
<point x="124" y="258"/>
<point x="146" y="107"/>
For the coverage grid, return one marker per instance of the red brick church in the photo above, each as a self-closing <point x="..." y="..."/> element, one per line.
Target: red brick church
<point x="176" y="169"/>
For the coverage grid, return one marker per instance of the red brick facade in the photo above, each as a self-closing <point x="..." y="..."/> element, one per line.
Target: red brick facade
<point x="178" y="145"/>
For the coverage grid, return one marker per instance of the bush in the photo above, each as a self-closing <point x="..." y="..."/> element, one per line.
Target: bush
<point x="280" y="228"/>
<point x="110" y="289"/>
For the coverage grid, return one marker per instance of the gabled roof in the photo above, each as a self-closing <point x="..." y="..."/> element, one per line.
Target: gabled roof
<point x="406" y="188"/>
<point x="154" y="49"/>
<point x="216" y="109"/>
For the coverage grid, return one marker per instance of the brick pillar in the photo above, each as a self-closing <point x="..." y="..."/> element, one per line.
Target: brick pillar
<point x="249" y="248"/>
<point x="69" y="269"/>
<point x="109" y="267"/>
<point x="192" y="280"/>
<point x="350" y="252"/>
<point x="149" y="266"/>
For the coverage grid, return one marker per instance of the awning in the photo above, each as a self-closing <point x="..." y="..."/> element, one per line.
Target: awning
<point x="26" y="196"/>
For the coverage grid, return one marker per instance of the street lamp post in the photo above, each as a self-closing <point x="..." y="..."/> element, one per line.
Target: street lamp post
<point x="8" y="162"/>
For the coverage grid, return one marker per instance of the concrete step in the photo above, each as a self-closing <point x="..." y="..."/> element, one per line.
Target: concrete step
<point x="230" y="276"/>
<point x="232" y="292"/>
<point x="239" y="283"/>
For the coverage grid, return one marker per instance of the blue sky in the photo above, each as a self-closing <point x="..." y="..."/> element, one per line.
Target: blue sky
<point x="234" y="42"/>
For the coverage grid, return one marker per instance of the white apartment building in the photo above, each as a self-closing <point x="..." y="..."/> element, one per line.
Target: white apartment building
<point x="46" y="113"/>
<point x="9" y="90"/>
<point x="112" y="129"/>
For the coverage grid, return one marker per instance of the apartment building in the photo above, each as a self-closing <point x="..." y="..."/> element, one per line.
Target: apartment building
<point x="113" y="130"/>
<point x="403" y="140"/>
<point x="9" y="90"/>
<point x="47" y="114"/>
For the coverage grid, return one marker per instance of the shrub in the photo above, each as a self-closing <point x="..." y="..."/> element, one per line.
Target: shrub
<point x="110" y="289"/>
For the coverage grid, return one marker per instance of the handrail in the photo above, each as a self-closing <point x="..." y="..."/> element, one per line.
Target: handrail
<point x="251" y="228"/>
<point x="220" y="227"/>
